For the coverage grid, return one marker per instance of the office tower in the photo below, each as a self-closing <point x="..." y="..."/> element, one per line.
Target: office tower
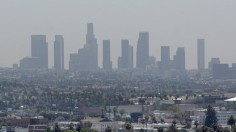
<point x="131" y="57"/>
<point x="30" y="63"/>
<point x="125" y="61"/>
<point x="201" y="54"/>
<point x="91" y="46"/>
<point x="39" y="49"/>
<point x="87" y="57"/>
<point x="142" y="54"/>
<point x="179" y="59"/>
<point x="212" y="62"/>
<point x="107" y="64"/>
<point x="165" y="58"/>
<point x="220" y="71"/>
<point x="74" y="64"/>
<point x="59" y="52"/>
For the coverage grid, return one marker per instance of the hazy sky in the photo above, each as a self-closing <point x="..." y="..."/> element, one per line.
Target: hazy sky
<point x="175" y="23"/>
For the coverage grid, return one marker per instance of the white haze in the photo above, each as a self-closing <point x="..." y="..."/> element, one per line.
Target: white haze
<point x="170" y="22"/>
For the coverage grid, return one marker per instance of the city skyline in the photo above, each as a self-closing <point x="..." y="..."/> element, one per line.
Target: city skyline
<point x="176" y="24"/>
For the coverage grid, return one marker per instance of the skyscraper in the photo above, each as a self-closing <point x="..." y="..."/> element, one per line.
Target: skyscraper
<point x="87" y="57"/>
<point x="39" y="49"/>
<point x="165" y="58"/>
<point x="131" y="57"/>
<point x="126" y="58"/>
<point x="59" y="52"/>
<point x="91" y="46"/>
<point x="107" y="64"/>
<point x="142" y="54"/>
<point x="201" y="54"/>
<point x="179" y="59"/>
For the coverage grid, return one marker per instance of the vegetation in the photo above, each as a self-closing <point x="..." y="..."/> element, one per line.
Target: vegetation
<point x="231" y="121"/>
<point x="56" y="128"/>
<point x="211" y="118"/>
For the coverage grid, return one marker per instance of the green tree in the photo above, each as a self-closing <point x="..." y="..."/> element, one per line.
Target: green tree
<point x="204" y="129"/>
<point x="57" y="128"/>
<point x="233" y="128"/>
<point x="71" y="126"/>
<point x="154" y="120"/>
<point x="172" y="128"/>
<point x="196" y="123"/>
<point x="48" y="129"/>
<point x="211" y="118"/>
<point x="146" y="120"/>
<point x="78" y="127"/>
<point x="88" y="130"/>
<point x="160" y="129"/>
<point x="114" y="112"/>
<point x="162" y="120"/>
<point x="128" y="127"/>
<point x="174" y="122"/>
<point x="142" y="121"/>
<point x="87" y="125"/>
<point x="231" y="121"/>
<point x="108" y="129"/>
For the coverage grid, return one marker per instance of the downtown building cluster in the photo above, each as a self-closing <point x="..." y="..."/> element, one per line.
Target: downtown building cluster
<point x="86" y="59"/>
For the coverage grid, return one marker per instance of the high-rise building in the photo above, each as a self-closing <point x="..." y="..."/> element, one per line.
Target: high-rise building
<point x="142" y="54"/>
<point x="107" y="64"/>
<point x="201" y="54"/>
<point x="91" y="46"/>
<point x="131" y="57"/>
<point x="220" y="71"/>
<point x="125" y="61"/>
<point x="165" y="58"/>
<point x="87" y="57"/>
<point x="59" y="52"/>
<point x="179" y="59"/>
<point x="39" y="49"/>
<point x="212" y="62"/>
<point x="30" y="63"/>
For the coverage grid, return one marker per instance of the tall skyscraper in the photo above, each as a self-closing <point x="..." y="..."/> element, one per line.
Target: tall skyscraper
<point x="142" y="54"/>
<point x="165" y="58"/>
<point x="126" y="58"/>
<point x="87" y="57"/>
<point x="179" y="59"/>
<point x="201" y="54"/>
<point x="59" y="52"/>
<point x="91" y="45"/>
<point x="107" y="64"/>
<point x="39" y="49"/>
<point x="131" y="57"/>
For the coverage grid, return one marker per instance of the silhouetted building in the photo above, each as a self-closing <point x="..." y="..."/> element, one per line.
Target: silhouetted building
<point x="234" y="65"/>
<point x="212" y="62"/>
<point x="59" y="52"/>
<point x="15" y="66"/>
<point x="87" y="58"/>
<point x="201" y="54"/>
<point x="179" y="59"/>
<point x="131" y="57"/>
<point x="125" y="59"/>
<point x="142" y="54"/>
<point x="165" y="59"/>
<point x="30" y="63"/>
<point x="74" y="62"/>
<point x="39" y="49"/>
<point x="220" y="71"/>
<point x="107" y="64"/>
